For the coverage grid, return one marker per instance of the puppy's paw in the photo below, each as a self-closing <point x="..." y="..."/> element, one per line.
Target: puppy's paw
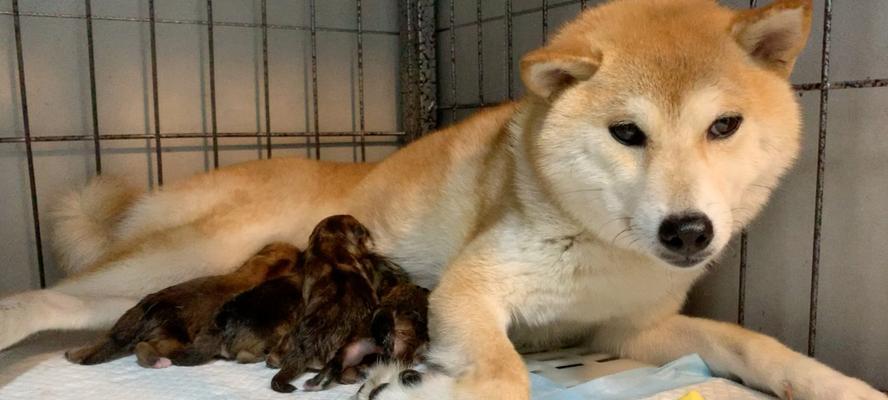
<point x="395" y="382"/>
<point x="162" y="362"/>
<point x="282" y="386"/>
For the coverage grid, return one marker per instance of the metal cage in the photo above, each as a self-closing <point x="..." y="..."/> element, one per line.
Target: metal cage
<point x="420" y="31"/>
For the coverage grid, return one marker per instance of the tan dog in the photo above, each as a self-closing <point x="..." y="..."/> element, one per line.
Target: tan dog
<point x="653" y="131"/>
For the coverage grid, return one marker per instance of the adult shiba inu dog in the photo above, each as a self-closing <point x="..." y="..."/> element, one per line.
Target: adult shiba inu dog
<point x="652" y="131"/>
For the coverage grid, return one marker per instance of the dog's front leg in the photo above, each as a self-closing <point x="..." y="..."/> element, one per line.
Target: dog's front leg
<point x="732" y="351"/>
<point x="468" y="323"/>
<point x="468" y="320"/>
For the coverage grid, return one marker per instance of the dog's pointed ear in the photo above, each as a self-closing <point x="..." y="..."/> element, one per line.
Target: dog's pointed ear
<point x="548" y="71"/>
<point x="774" y="35"/>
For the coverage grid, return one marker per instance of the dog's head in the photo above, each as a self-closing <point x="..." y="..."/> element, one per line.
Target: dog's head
<point x="663" y="125"/>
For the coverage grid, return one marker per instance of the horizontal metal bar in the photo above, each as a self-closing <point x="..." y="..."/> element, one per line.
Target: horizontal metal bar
<point x="197" y="22"/>
<point x="859" y="84"/>
<point x="801" y="87"/>
<point x="190" y="135"/>
<point x="549" y="7"/>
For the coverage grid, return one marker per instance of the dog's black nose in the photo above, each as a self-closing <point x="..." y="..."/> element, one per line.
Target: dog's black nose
<point x="686" y="234"/>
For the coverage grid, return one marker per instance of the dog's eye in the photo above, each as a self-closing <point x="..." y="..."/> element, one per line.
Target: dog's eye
<point x="724" y="127"/>
<point x="628" y="134"/>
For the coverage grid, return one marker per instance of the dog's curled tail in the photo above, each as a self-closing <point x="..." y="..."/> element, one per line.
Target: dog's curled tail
<point x="84" y="221"/>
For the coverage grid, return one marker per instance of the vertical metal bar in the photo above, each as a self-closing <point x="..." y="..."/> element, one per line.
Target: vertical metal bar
<point x="314" y="77"/>
<point x="408" y="65"/>
<point x="480" y="37"/>
<point x="744" y="261"/>
<point x="157" y="146"/>
<point x="97" y="146"/>
<point x="418" y="66"/>
<point x="545" y="21"/>
<point x="212" y="53"/>
<point x="821" y="159"/>
<point x="741" y="287"/>
<point x="361" y="117"/>
<point x="509" y="62"/>
<point x="29" y="153"/>
<point x="453" y="59"/>
<point x="582" y="4"/>
<point x="265" y="78"/>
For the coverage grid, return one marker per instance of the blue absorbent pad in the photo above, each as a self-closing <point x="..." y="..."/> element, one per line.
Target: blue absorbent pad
<point x="627" y="385"/>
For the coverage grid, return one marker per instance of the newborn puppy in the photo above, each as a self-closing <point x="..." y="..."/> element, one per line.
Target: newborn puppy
<point x="175" y="325"/>
<point x="400" y="324"/>
<point x="342" y="286"/>
<point x="254" y="323"/>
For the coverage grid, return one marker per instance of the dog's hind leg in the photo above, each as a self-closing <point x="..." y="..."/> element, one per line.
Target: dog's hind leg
<point x="105" y="350"/>
<point x="95" y="299"/>
<point x="30" y="312"/>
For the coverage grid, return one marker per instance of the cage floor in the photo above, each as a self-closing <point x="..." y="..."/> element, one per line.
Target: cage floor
<point x="36" y="369"/>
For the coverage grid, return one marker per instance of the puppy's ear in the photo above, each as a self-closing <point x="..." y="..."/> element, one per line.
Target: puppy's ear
<point x="548" y="71"/>
<point x="774" y="35"/>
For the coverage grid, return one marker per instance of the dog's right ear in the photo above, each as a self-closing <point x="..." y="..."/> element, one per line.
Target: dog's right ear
<point x="547" y="71"/>
<point x="774" y="35"/>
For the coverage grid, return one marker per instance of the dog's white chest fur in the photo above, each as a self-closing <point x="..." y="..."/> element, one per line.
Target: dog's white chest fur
<point x="582" y="279"/>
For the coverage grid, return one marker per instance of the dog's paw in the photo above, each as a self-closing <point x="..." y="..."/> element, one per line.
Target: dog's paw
<point x="810" y="380"/>
<point x="395" y="382"/>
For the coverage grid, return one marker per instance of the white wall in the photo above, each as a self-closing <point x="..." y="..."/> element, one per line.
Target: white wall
<point x="56" y="60"/>
<point x="853" y="324"/>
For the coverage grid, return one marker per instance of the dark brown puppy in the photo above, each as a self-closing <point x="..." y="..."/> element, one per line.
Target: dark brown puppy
<point x="254" y="323"/>
<point x="175" y="326"/>
<point x="399" y="332"/>
<point x="344" y="280"/>
<point x="400" y="324"/>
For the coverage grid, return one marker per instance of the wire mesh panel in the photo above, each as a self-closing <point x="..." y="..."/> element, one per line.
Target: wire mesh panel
<point x="479" y="48"/>
<point x="156" y="90"/>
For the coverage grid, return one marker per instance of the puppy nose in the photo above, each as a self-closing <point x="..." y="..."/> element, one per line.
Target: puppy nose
<point x="686" y="234"/>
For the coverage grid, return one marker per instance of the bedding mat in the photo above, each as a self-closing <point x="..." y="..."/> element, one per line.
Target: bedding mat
<point x="38" y="371"/>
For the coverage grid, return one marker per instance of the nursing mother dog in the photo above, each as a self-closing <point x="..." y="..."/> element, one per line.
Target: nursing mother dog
<point x="651" y="132"/>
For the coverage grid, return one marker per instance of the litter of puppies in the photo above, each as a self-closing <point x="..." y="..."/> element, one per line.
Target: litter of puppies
<point x="337" y="307"/>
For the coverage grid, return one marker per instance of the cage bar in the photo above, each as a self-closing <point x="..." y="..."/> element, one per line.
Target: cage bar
<point x="154" y="95"/>
<point x="267" y="101"/>
<point x="194" y="135"/>
<point x="821" y="160"/>
<point x="480" y="37"/>
<point x="197" y="22"/>
<point x="211" y="48"/>
<point x="359" y="11"/>
<point x="803" y="87"/>
<point x="97" y="146"/>
<point x="29" y="153"/>
<point x="314" y="77"/>
<point x="545" y="11"/>
<point x="744" y="239"/>
<point x="419" y="99"/>
<point x="510" y="69"/>
<point x="453" y="58"/>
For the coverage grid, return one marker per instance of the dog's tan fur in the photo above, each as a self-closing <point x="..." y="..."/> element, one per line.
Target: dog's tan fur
<point x="527" y="217"/>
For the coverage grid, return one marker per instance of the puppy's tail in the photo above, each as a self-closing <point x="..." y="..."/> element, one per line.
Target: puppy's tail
<point x="85" y="221"/>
